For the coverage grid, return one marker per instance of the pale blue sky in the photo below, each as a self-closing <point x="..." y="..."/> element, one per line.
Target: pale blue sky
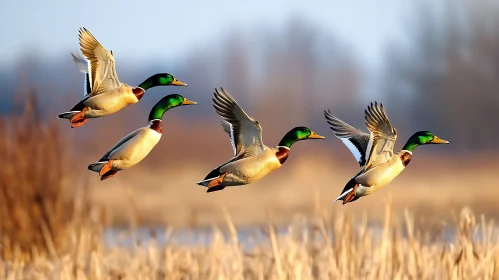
<point x="169" y="28"/>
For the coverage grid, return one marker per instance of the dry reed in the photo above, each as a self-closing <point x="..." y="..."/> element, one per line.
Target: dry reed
<point x="35" y="203"/>
<point x="327" y="246"/>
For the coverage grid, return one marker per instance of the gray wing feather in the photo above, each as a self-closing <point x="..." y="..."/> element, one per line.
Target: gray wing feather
<point x="228" y="128"/>
<point x="82" y="66"/>
<point x="245" y="132"/>
<point x="355" y="139"/>
<point x="384" y="135"/>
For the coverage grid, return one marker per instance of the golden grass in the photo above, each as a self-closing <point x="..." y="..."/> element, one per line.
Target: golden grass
<point x="323" y="246"/>
<point x="35" y="203"/>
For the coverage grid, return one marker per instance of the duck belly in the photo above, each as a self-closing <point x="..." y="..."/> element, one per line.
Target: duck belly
<point x="250" y="169"/>
<point x="380" y="176"/>
<point x="106" y="103"/>
<point x="135" y="149"/>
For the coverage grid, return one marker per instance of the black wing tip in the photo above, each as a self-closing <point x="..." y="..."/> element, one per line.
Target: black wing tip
<point x="82" y="30"/>
<point x="221" y="91"/>
<point x="226" y="95"/>
<point x="374" y="109"/>
<point x="331" y="119"/>
<point x="376" y="104"/>
<point x="219" y="95"/>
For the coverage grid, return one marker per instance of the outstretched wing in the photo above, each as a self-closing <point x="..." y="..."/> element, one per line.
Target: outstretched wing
<point x="80" y="63"/>
<point x="88" y="86"/>
<point x="245" y="133"/>
<point x="228" y="128"/>
<point x="82" y="66"/>
<point x="102" y="71"/>
<point x="356" y="140"/>
<point x="383" y="135"/>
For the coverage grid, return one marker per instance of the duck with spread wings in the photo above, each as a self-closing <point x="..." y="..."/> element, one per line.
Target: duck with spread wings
<point x="374" y="151"/>
<point x="104" y="94"/>
<point x="252" y="159"/>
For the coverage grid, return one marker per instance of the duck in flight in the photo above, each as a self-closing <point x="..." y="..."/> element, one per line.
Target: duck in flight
<point x="252" y="160"/>
<point x="105" y="94"/>
<point x="135" y="146"/>
<point x="374" y="151"/>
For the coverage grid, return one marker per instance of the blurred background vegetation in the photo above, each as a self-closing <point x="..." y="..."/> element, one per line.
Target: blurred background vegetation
<point x="441" y="74"/>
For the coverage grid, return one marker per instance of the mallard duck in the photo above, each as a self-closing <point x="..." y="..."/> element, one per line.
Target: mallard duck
<point x="374" y="151"/>
<point x="135" y="146"/>
<point x="105" y="93"/>
<point x="252" y="160"/>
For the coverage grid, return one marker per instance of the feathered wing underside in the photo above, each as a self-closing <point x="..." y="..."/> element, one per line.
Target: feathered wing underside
<point x="102" y="71"/>
<point x="82" y="66"/>
<point x="384" y="135"/>
<point x="88" y="86"/>
<point x="355" y="139"/>
<point x="228" y="128"/>
<point x="245" y="133"/>
<point x="80" y="63"/>
<point x="120" y="143"/>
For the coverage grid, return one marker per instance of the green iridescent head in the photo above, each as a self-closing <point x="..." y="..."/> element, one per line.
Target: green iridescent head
<point x="161" y="79"/>
<point x="166" y="103"/>
<point x="297" y="134"/>
<point x="422" y="138"/>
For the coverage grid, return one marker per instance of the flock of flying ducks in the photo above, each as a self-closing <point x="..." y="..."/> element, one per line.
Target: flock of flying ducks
<point x="104" y="94"/>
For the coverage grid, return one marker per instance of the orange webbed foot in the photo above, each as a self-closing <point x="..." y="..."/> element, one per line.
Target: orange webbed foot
<point x="79" y="119"/>
<point x="78" y="123"/>
<point x="108" y="175"/>
<point x="106" y="168"/>
<point x="350" y="196"/>
<point x="216" y="182"/>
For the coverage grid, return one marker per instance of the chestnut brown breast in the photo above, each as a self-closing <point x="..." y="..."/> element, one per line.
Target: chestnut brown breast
<point x="406" y="158"/>
<point x="138" y="92"/>
<point x="157" y="125"/>
<point x="282" y="154"/>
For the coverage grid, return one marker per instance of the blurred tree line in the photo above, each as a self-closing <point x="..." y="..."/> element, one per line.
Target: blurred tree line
<point x="446" y="78"/>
